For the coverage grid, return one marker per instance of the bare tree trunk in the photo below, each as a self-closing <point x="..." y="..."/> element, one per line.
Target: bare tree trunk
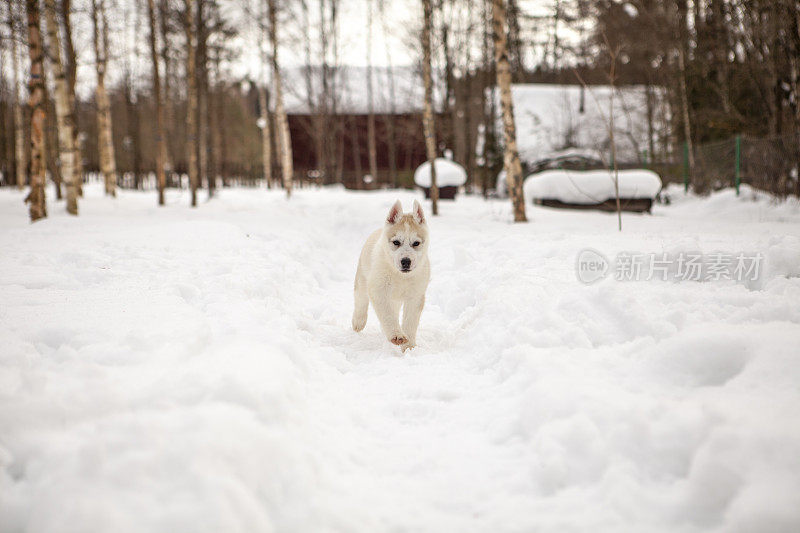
<point x="371" y="148"/>
<point x="428" y="124"/>
<point x="266" y="130"/>
<point x="202" y="96"/>
<point x="161" y="147"/>
<point x="104" y="127"/>
<point x="318" y="129"/>
<point x="356" y="147"/>
<point x="650" y="103"/>
<point x="515" y="40"/>
<point x="169" y="115"/>
<point x="489" y="81"/>
<point x="611" y="80"/>
<point x="19" y="128"/>
<point x="467" y="84"/>
<point x="340" y="149"/>
<point x="682" y="45"/>
<point x="266" y="145"/>
<point x="72" y="72"/>
<point x="687" y="125"/>
<point x="36" y="197"/>
<point x="6" y="123"/>
<point x="216" y="102"/>
<point x="132" y="125"/>
<point x="334" y="161"/>
<point x="556" y="44"/>
<point x="191" y="109"/>
<point x="51" y="131"/>
<point x="390" y="118"/>
<point x="284" y="137"/>
<point x="64" y="116"/>
<point x="449" y="86"/>
<point x="511" y="162"/>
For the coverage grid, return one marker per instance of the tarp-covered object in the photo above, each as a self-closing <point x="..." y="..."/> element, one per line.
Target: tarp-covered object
<point x="591" y="186"/>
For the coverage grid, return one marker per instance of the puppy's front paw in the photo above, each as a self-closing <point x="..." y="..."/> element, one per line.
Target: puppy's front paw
<point x="408" y="346"/>
<point x="359" y="322"/>
<point x="398" y="339"/>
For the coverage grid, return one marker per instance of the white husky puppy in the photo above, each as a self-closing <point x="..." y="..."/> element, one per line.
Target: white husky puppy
<point x="394" y="271"/>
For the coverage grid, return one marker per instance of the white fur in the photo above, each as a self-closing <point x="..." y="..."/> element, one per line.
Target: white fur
<point x="380" y="278"/>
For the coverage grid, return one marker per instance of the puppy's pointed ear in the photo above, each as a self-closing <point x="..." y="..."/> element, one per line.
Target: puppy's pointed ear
<point x="395" y="213"/>
<point x="419" y="216"/>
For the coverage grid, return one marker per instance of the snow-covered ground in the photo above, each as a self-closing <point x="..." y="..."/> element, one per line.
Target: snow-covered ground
<point x="194" y="370"/>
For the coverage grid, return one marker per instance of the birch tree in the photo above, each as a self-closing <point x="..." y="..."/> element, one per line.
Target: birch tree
<point x="266" y="145"/>
<point x="161" y="146"/>
<point x="371" y="148"/>
<point x="323" y="107"/>
<point x="19" y="128"/>
<point x="36" y="196"/>
<point x="191" y="97"/>
<point x="282" y="122"/>
<point x="105" y="140"/>
<point x="266" y="131"/>
<point x="390" y="118"/>
<point x="65" y="120"/>
<point x="71" y="67"/>
<point x="427" y="113"/>
<point x="511" y="162"/>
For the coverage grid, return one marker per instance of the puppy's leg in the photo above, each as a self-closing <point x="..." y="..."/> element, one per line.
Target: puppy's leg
<point x="388" y="312"/>
<point x="412" y="309"/>
<point x="361" y="297"/>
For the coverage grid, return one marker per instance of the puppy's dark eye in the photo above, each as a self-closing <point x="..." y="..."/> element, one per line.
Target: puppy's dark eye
<point x="415" y="244"/>
<point x="396" y="243"/>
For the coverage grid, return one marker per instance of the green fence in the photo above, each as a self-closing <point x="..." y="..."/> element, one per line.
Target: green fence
<point x="770" y="164"/>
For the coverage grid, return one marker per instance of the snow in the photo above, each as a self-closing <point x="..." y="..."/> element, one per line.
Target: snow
<point x="171" y="369"/>
<point x="590" y="186"/>
<point x="575" y="151"/>
<point x="548" y="118"/>
<point x="448" y="173"/>
<point x="501" y="188"/>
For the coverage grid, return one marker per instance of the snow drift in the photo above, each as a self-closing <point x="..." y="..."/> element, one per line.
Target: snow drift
<point x="169" y="369"/>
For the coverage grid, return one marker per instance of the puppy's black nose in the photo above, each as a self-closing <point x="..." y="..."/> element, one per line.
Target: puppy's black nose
<point x="405" y="263"/>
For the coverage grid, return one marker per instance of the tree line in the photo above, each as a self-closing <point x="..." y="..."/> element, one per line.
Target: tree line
<point x="722" y="67"/>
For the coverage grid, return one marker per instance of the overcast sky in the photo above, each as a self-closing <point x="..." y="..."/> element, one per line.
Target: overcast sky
<point x="394" y="37"/>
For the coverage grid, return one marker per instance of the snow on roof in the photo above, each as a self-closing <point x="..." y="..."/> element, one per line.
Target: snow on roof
<point x="590" y="186"/>
<point x="548" y="118"/>
<point x="448" y="174"/>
